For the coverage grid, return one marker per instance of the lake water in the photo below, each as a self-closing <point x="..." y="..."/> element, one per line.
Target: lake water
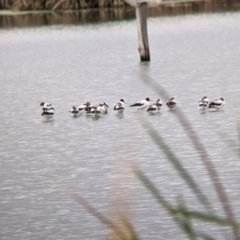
<point x="191" y="56"/>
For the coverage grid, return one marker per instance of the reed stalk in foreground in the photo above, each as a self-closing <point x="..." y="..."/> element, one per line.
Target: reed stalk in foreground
<point x="123" y="231"/>
<point x="181" y="214"/>
<point x="200" y="149"/>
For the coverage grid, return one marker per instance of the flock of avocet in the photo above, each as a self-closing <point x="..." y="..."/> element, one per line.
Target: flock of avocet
<point x="146" y="104"/>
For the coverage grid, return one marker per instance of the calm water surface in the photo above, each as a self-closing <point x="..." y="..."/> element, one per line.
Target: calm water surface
<point x="191" y="56"/>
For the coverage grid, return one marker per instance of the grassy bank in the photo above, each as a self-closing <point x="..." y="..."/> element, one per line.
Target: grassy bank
<point x="20" y="5"/>
<point x="28" y="13"/>
<point x="38" y="5"/>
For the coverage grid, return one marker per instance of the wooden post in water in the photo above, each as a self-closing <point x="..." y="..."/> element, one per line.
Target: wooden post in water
<point x="141" y="17"/>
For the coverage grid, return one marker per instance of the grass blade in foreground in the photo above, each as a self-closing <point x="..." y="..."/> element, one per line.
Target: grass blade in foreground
<point x="158" y="140"/>
<point x="175" y="211"/>
<point x="212" y="172"/>
<point x="124" y="232"/>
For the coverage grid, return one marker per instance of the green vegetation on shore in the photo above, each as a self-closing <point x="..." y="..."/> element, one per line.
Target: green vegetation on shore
<point x="23" y="5"/>
<point x="40" y="5"/>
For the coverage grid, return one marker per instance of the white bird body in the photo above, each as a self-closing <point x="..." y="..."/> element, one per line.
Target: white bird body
<point x="119" y="106"/>
<point x="85" y="108"/>
<point x="48" y="114"/>
<point x="103" y="108"/>
<point x="159" y="104"/>
<point x="81" y="108"/>
<point x="217" y="104"/>
<point x="46" y="106"/>
<point x="95" y="111"/>
<point x="47" y="110"/>
<point x="203" y="103"/>
<point x="141" y="104"/>
<point x="155" y="107"/>
<point x="75" y="111"/>
<point x="171" y="103"/>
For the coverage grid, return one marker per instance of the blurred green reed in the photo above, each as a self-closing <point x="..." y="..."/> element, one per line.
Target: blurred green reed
<point x="181" y="214"/>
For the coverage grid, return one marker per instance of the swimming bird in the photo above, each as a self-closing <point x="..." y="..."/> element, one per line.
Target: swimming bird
<point x="203" y="103"/>
<point x="46" y="106"/>
<point x="103" y="107"/>
<point x="217" y="104"/>
<point x="171" y="103"/>
<point x="141" y="104"/>
<point x="47" y="110"/>
<point x="95" y="111"/>
<point x="85" y="108"/>
<point x="159" y="104"/>
<point x="75" y="111"/>
<point x="155" y="107"/>
<point x="120" y="101"/>
<point x="119" y="106"/>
